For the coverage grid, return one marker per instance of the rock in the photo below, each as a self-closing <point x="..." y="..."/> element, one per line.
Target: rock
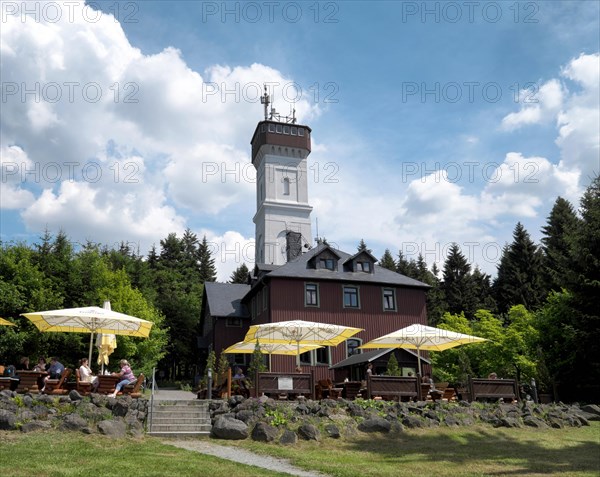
<point x="288" y="437"/>
<point x="309" y="432"/>
<point x="120" y="408"/>
<point x="263" y="432"/>
<point x="508" y="422"/>
<point x="90" y="411"/>
<point x="113" y="428"/>
<point x="73" y="422"/>
<point x="592" y="409"/>
<point x="232" y="429"/>
<point x="8" y="420"/>
<point x="413" y="422"/>
<point x="377" y="424"/>
<point x="35" y="426"/>
<point x="332" y="431"/>
<point x="75" y="396"/>
<point x="532" y="421"/>
<point x="245" y="415"/>
<point x="451" y="421"/>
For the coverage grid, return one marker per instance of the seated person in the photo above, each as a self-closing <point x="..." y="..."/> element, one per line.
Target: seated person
<point x="24" y="364"/>
<point x="126" y="375"/>
<point x="239" y="374"/>
<point x="86" y="375"/>
<point x="492" y="376"/>
<point x="54" y="371"/>
<point x="41" y="365"/>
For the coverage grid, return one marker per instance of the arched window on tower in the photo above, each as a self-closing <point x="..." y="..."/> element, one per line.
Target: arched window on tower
<point x="286" y="186"/>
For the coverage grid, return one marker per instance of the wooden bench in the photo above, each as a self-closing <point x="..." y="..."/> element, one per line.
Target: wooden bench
<point x="57" y="386"/>
<point x="81" y="387"/>
<point x="394" y="387"/>
<point x="133" y="390"/>
<point x="280" y="384"/>
<point x="493" y="389"/>
<point x="8" y="383"/>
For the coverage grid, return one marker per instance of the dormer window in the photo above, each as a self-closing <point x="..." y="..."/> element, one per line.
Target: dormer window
<point x="327" y="263"/>
<point x="363" y="267"/>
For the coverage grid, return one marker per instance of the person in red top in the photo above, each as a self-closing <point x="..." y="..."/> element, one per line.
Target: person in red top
<point x="126" y="375"/>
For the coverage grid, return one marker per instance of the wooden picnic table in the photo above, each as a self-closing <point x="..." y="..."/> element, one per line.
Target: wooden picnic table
<point x="107" y="383"/>
<point x="29" y="381"/>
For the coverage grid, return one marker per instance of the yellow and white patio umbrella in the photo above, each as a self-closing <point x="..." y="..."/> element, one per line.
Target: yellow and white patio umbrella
<point x="246" y="347"/>
<point x="91" y="319"/>
<point x="300" y="333"/>
<point x="421" y="337"/>
<point x="106" y="344"/>
<point x="4" y="322"/>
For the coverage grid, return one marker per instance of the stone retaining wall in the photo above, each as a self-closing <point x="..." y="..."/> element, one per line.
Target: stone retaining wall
<point x="95" y="414"/>
<point x="267" y="420"/>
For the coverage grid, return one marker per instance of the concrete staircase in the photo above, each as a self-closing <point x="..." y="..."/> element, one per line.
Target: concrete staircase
<point x="172" y="418"/>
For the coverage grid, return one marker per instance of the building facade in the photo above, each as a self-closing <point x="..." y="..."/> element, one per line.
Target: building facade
<point x="294" y="281"/>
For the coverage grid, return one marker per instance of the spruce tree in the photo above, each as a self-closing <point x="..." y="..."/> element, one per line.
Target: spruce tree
<point x="362" y="247"/>
<point x="392" y="367"/>
<point x="585" y="287"/>
<point x="257" y="363"/>
<point x="387" y="261"/>
<point x="457" y="284"/>
<point x="519" y="280"/>
<point x="208" y="272"/>
<point x="240" y="275"/>
<point x="556" y="248"/>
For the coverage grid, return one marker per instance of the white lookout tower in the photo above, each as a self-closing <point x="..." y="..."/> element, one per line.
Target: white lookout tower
<point x="280" y="148"/>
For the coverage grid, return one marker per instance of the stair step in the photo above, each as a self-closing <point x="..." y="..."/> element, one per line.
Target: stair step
<point x="178" y="434"/>
<point x="180" y="418"/>
<point x="181" y="428"/>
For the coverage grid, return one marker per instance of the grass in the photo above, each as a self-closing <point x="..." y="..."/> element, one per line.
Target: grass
<point x="70" y="454"/>
<point x="476" y="451"/>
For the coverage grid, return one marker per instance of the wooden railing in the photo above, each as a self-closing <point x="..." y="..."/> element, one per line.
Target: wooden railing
<point x="506" y="389"/>
<point x="284" y="383"/>
<point x="394" y="387"/>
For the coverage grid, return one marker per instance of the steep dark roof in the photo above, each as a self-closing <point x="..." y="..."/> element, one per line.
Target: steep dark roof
<point x="225" y="299"/>
<point x="298" y="269"/>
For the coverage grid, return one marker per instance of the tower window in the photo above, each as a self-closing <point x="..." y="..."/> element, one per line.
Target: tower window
<point x="286" y="186"/>
<point x="300" y="131"/>
<point x="286" y="129"/>
<point x="294" y="131"/>
<point x="271" y="128"/>
<point x="278" y="128"/>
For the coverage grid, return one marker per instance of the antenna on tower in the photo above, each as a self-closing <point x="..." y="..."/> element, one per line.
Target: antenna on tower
<point x="317" y="237"/>
<point x="266" y="100"/>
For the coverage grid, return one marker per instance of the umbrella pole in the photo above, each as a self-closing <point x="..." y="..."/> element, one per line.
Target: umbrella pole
<point x="297" y="354"/>
<point x="419" y="360"/>
<point x="90" y="353"/>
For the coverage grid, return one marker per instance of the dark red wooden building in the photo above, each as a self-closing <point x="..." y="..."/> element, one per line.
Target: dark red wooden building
<point x="323" y="285"/>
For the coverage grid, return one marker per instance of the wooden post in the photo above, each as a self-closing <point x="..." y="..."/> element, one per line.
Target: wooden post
<point x="228" y="382"/>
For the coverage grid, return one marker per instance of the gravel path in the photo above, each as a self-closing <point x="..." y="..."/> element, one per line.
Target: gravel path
<point x="242" y="456"/>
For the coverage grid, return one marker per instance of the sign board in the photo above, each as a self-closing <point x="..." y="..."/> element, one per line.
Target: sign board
<point x="285" y="383"/>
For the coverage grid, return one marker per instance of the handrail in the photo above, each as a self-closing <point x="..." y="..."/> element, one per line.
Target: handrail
<point x="151" y="399"/>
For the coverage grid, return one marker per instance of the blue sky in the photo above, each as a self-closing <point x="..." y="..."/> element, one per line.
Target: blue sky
<point x="433" y="122"/>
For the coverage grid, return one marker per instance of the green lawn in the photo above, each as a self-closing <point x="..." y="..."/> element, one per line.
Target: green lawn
<point x="457" y="452"/>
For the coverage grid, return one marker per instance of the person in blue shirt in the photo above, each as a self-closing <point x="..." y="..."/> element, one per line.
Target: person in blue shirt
<point x="54" y="371"/>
